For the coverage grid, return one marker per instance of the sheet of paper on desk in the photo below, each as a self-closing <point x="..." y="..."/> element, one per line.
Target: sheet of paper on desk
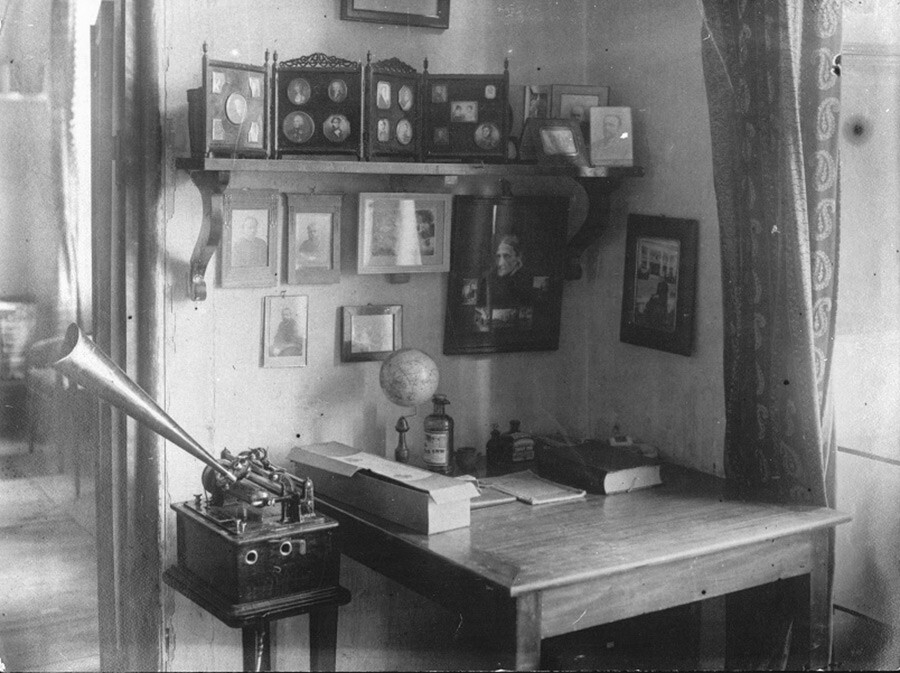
<point x="528" y="487"/>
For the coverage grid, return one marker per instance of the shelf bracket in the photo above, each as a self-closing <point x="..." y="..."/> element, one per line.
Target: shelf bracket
<point x="599" y="191"/>
<point x="212" y="186"/>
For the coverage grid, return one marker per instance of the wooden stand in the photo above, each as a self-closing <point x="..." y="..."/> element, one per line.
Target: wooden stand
<point x="255" y="617"/>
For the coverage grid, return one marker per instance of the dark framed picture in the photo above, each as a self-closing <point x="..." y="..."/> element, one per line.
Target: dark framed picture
<point x="285" y="331"/>
<point x="504" y="293"/>
<point x="466" y="117"/>
<point x="313" y="248"/>
<point x="404" y="233"/>
<point x="393" y="111"/>
<point x="248" y="251"/>
<point x="553" y="141"/>
<point x="424" y="13"/>
<point x="612" y="141"/>
<point x="228" y="115"/>
<point x="318" y="100"/>
<point x="371" y="332"/>
<point x="660" y="282"/>
<point x="572" y="101"/>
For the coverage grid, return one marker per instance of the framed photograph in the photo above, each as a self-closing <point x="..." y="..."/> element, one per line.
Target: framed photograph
<point x="228" y="115"/>
<point x="660" y="283"/>
<point x="404" y="233"/>
<point x="318" y="106"/>
<point x="313" y="247"/>
<point x="553" y="141"/>
<point x="393" y="111"/>
<point x="611" y="137"/>
<point x="466" y="117"/>
<point x="572" y="101"/>
<point x="504" y="293"/>
<point x="285" y="331"/>
<point x="371" y="332"/>
<point x="537" y="102"/>
<point x="248" y="250"/>
<point x="424" y="13"/>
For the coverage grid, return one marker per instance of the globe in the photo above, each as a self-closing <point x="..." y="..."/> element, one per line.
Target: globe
<point x="409" y="377"/>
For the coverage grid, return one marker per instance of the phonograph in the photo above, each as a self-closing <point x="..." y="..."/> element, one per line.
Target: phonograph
<point x="254" y="539"/>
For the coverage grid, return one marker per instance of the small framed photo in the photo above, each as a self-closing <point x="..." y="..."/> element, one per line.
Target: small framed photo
<point x="285" y="331"/>
<point x="537" y="102"/>
<point x="371" y="332"/>
<point x="313" y="239"/>
<point x="572" y="101"/>
<point x="660" y="283"/>
<point x="553" y="141"/>
<point x="404" y="233"/>
<point x="612" y="141"/>
<point x="393" y="110"/>
<point x="248" y="250"/>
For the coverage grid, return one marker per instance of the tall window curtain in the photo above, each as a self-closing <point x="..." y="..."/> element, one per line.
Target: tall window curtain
<point x="774" y="96"/>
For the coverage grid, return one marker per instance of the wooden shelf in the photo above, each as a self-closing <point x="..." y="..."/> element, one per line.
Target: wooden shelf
<point x="212" y="176"/>
<point x="403" y="168"/>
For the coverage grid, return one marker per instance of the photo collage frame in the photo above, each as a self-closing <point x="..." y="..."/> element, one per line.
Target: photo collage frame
<point x="394" y="111"/>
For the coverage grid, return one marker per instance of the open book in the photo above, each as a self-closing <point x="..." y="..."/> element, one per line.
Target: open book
<point x="532" y="489"/>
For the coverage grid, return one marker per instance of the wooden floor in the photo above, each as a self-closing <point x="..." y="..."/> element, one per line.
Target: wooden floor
<point x="48" y="566"/>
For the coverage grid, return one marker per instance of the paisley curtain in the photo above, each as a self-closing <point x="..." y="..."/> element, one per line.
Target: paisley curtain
<point x="772" y="81"/>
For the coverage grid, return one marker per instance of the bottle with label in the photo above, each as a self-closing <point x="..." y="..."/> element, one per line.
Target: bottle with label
<point x="438" y="437"/>
<point x="494" y="459"/>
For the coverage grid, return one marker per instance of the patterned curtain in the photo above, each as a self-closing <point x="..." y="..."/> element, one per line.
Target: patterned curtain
<point x="774" y="97"/>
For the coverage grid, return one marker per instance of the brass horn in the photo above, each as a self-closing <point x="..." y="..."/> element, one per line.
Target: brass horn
<point x="82" y="361"/>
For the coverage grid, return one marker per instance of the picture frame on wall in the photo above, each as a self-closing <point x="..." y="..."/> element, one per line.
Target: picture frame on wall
<point x="285" y="334"/>
<point x="313" y="245"/>
<point x="370" y="332"/>
<point x="248" y="249"/>
<point x="421" y="13"/>
<point x="572" y="101"/>
<point x="504" y="293"/>
<point x="660" y="281"/>
<point x="404" y="233"/>
<point x="612" y="139"/>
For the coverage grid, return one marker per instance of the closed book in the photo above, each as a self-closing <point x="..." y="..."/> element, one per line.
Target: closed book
<point x="595" y="466"/>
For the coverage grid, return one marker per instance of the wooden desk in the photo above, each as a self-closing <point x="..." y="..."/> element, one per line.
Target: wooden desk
<point x="525" y="573"/>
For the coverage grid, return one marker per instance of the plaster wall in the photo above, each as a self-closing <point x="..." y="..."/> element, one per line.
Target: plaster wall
<point x="214" y="385"/>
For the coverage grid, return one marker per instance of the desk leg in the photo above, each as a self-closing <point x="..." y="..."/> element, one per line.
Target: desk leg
<point x="257" y="652"/>
<point x="820" y="600"/>
<point x="528" y="632"/>
<point x="323" y="638"/>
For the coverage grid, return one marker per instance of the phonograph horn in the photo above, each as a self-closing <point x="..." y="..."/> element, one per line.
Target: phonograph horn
<point x="82" y="361"/>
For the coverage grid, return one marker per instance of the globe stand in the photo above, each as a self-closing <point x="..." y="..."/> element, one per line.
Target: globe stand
<point x="401" y="453"/>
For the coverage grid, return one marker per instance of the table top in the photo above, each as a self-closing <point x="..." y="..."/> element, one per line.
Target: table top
<point x="529" y="548"/>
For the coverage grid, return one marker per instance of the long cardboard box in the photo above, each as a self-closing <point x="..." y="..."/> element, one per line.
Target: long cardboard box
<point x="418" y="499"/>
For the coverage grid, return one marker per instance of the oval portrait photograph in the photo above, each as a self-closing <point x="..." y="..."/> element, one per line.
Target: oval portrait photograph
<point x="336" y="128"/>
<point x="487" y="136"/>
<point x="337" y="90"/>
<point x="236" y="108"/>
<point x="298" y="91"/>
<point x="405" y="98"/>
<point x="404" y="132"/>
<point x="298" y="127"/>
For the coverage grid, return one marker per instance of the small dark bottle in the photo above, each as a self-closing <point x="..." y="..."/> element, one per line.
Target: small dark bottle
<point x="438" y="437"/>
<point x="494" y="448"/>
